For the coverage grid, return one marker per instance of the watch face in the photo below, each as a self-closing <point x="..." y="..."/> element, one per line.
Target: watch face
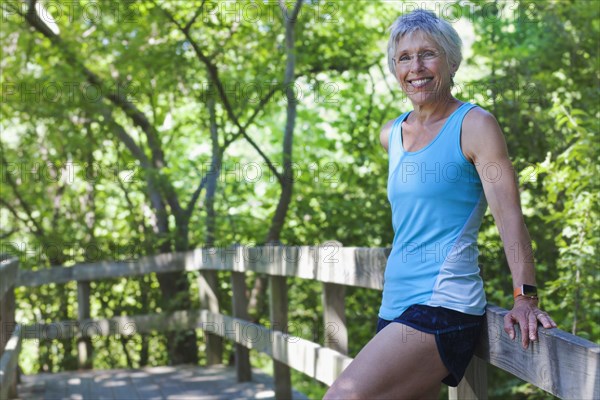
<point x="529" y="290"/>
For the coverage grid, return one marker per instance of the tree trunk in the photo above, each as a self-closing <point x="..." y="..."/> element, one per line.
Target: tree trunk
<point x="210" y="296"/>
<point x="257" y="303"/>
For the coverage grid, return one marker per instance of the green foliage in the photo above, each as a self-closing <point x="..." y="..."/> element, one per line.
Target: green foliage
<point x="569" y="183"/>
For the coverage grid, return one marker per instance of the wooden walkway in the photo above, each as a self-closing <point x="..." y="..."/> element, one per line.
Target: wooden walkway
<point x="181" y="382"/>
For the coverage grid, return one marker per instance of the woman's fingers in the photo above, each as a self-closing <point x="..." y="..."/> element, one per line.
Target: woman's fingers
<point x="509" y="325"/>
<point x="532" y="325"/>
<point x="524" y="321"/>
<point x="513" y="318"/>
<point x="528" y="324"/>
<point x="546" y="321"/>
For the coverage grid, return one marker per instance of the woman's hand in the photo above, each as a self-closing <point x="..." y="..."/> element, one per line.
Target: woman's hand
<point x="526" y="313"/>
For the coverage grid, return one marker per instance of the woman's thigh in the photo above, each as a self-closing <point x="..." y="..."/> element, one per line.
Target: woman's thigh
<point x="400" y="362"/>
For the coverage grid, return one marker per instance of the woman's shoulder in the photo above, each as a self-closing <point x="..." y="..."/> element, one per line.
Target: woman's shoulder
<point x="384" y="135"/>
<point x="386" y="130"/>
<point x="481" y="133"/>
<point x="478" y="118"/>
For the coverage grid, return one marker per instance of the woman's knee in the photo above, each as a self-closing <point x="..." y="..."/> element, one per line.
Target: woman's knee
<point x="338" y="391"/>
<point x="351" y="392"/>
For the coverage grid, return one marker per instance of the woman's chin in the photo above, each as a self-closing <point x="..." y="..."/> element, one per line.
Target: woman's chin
<point x="423" y="98"/>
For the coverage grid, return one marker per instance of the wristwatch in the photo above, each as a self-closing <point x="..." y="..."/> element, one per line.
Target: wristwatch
<point x="526" y="291"/>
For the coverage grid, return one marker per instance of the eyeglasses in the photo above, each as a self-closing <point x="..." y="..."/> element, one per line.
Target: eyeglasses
<point x="425" y="56"/>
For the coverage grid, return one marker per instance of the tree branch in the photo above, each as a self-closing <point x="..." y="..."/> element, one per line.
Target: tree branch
<point x="127" y="140"/>
<point x="198" y="11"/>
<point x="288" y="136"/>
<point x="12" y="210"/>
<point x="195" y="196"/>
<point x="214" y="74"/>
<point x="257" y="110"/>
<point x="7" y="234"/>
<point x="39" y="230"/>
<point x="291" y="19"/>
<point x="119" y="100"/>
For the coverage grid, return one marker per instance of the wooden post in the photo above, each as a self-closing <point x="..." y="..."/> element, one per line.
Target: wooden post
<point x="334" y="300"/>
<point x="84" y="344"/>
<point x="278" y="305"/>
<point x="7" y="315"/>
<point x="473" y="386"/>
<point x="7" y="312"/>
<point x="10" y="305"/>
<point x="208" y="287"/>
<point x="334" y="317"/>
<point x="240" y="310"/>
<point x="4" y="331"/>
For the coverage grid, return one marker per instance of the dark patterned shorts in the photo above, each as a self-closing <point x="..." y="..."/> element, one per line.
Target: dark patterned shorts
<point x="456" y="334"/>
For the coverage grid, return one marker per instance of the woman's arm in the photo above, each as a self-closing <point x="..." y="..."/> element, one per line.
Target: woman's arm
<point x="384" y="135"/>
<point x="483" y="144"/>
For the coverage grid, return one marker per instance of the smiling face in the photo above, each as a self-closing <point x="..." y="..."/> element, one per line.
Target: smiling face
<point x="422" y="69"/>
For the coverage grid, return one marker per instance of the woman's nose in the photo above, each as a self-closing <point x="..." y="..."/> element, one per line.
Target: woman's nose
<point x="416" y="63"/>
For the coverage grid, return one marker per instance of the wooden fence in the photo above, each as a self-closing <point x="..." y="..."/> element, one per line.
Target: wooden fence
<point x="10" y="340"/>
<point x="559" y="363"/>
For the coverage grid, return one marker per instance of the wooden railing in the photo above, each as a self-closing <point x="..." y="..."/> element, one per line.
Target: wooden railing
<point x="559" y="363"/>
<point x="10" y="340"/>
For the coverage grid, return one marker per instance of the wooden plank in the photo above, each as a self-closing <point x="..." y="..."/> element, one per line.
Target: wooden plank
<point x="296" y="261"/>
<point x="360" y="267"/>
<point x="9" y="306"/>
<point x="278" y="306"/>
<point x="3" y="336"/>
<point x="125" y="326"/>
<point x="305" y="356"/>
<point x="350" y="266"/>
<point x="57" y="274"/>
<point x="84" y="344"/>
<point x="328" y="262"/>
<point x="5" y="330"/>
<point x="334" y="317"/>
<point x="198" y="259"/>
<point x="7" y="318"/>
<point x="312" y="359"/>
<point x="333" y="266"/>
<point x="8" y="275"/>
<point x="473" y="386"/>
<point x="8" y="328"/>
<point x="240" y="310"/>
<point x="562" y="364"/>
<point x="8" y="365"/>
<point x="208" y="287"/>
<point x="182" y="382"/>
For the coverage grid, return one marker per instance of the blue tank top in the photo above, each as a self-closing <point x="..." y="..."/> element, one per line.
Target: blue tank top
<point x="437" y="205"/>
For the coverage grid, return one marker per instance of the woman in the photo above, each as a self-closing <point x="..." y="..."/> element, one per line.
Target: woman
<point x="448" y="160"/>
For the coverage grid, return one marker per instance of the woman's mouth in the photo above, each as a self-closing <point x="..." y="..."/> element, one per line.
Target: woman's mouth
<point x="418" y="83"/>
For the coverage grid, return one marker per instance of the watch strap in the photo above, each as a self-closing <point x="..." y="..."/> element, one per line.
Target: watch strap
<point x="526" y="291"/>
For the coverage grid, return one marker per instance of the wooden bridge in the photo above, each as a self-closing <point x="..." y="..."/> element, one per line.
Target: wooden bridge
<point x="562" y="364"/>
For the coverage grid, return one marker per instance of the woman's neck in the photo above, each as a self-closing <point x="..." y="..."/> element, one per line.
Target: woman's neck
<point x="433" y="112"/>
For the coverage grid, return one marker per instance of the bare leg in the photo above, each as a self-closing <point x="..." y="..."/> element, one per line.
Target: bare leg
<point x="434" y="393"/>
<point x="398" y="363"/>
